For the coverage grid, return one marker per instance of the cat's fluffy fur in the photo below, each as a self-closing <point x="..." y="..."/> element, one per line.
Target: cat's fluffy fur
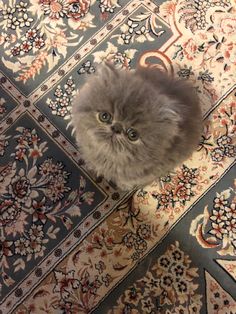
<point x="164" y="111"/>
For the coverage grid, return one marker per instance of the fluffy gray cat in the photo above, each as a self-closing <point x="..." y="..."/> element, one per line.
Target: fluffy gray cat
<point x="133" y="127"/>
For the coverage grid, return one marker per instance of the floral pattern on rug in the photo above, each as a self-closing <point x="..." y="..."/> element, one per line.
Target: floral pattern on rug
<point x="171" y="283"/>
<point x="219" y="301"/>
<point x="38" y="204"/>
<point x="220" y="223"/>
<point x="73" y="243"/>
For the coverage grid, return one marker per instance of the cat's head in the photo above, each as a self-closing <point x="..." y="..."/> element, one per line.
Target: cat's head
<point x="118" y="113"/>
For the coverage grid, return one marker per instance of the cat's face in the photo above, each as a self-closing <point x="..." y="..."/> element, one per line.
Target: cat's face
<point x="115" y="129"/>
<point x="118" y="116"/>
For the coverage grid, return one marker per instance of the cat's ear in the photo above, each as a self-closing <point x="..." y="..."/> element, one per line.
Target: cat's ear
<point x="107" y="71"/>
<point x="170" y="121"/>
<point x="111" y="68"/>
<point x="171" y="115"/>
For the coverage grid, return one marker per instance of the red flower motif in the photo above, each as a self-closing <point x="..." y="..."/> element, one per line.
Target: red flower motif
<point x="183" y="192"/>
<point x="89" y="249"/>
<point x="110" y="240"/>
<point x="65" y="283"/>
<point x="20" y="154"/>
<point x="20" y="187"/>
<point x="26" y="46"/>
<point x="190" y="49"/>
<point x="224" y="122"/>
<point x="103" y="254"/>
<point x="5" y="248"/>
<point x="16" y="50"/>
<point x="39" y="43"/>
<point x="164" y="200"/>
<point x="229" y="52"/>
<point x="78" y="8"/>
<point x="228" y="25"/>
<point x="9" y="211"/>
<point x="232" y="105"/>
<point x="39" y="211"/>
<point x="223" y="110"/>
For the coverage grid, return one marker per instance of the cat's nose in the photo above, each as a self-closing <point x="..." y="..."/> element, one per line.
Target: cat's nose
<point x="116" y="128"/>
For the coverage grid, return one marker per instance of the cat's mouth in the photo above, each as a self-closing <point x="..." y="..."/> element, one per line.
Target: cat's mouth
<point x="116" y="137"/>
<point x="117" y="142"/>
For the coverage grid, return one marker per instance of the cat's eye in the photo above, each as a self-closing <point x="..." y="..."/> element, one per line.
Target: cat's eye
<point x="105" y="117"/>
<point x="132" y="134"/>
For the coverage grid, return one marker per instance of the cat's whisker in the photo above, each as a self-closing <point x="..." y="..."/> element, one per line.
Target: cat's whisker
<point x="73" y="131"/>
<point x="68" y="125"/>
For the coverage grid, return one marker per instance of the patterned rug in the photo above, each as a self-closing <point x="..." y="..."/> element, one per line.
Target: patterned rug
<point x="72" y="243"/>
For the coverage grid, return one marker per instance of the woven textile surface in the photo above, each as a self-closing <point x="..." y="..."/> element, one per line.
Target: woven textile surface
<point x="73" y="243"/>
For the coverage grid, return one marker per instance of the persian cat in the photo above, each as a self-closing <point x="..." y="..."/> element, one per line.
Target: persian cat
<point x="133" y="127"/>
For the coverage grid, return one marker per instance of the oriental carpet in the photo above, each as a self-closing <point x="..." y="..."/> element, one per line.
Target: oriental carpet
<point x="73" y="243"/>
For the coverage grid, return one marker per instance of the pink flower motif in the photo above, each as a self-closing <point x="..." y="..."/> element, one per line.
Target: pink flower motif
<point x="222" y="110"/>
<point x="225" y="22"/>
<point x="56" y="9"/>
<point x="39" y="42"/>
<point x="16" y="50"/>
<point x="228" y="25"/>
<point x="164" y="200"/>
<point x="59" y="40"/>
<point x="5" y="248"/>
<point x="9" y="211"/>
<point x="39" y="211"/>
<point x="232" y="105"/>
<point x="167" y="9"/>
<point x="65" y="283"/>
<point x="182" y="192"/>
<point x="20" y="154"/>
<point x="35" y="153"/>
<point x="224" y="122"/>
<point x="26" y="46"/>
<point x="21" y="186"/>
<point x="56" y="188"/>
<point x="17" y="226"/>
<point x="31" y="34"/>
<point x="190" y="49"/>
<point x="229" y="52"/>
<point x="120" y="60"/>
